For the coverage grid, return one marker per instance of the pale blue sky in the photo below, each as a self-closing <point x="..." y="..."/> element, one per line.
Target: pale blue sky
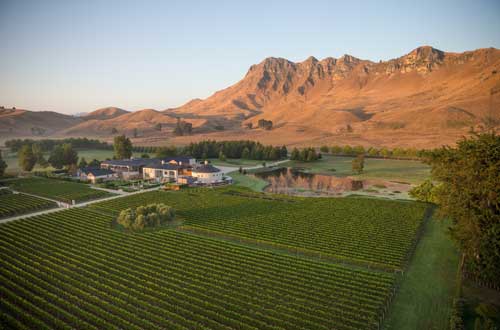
<point x="73" y="56"/>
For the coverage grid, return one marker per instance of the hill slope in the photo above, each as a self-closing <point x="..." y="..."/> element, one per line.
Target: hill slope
<point x="426" y="94"/>
<point x="105" y="113"/>
<point x="425" y="98"/>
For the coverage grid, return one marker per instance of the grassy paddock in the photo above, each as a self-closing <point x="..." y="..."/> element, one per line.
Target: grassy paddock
<point x="60" y="190"/>
<point x="425" y="296"/>
<point x="387" y="169"/>
<point x="248" y="181"/>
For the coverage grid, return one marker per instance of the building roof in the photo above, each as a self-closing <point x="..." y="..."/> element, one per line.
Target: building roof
<point x="130" y="162"/>
<point x="164" y="166"/>
<point x="206" y="168"/>
<point x="146" y="162"/>
<point x="97" y="171"/>
<point x="183" y="159"/>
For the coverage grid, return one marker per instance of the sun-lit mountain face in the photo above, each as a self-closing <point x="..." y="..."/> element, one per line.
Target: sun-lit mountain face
<point x="425" y="98"/>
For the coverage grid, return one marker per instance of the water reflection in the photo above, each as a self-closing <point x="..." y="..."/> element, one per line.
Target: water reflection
<point x="295" y="181"/>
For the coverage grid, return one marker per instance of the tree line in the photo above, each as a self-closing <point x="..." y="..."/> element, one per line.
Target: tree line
<point x="48" y="144"/>
<point x="465" y="183"/>
<point x="231" y="149"/>
<point x="384" y="152"/>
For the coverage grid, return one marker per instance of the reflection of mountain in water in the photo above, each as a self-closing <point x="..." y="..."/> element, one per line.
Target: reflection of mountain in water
<point x="288" y="180"/>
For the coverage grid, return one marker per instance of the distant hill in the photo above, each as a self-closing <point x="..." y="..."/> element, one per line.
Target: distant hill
<point x="19" y="122"/>
<point x="145" y="121"/>
<point x="105" y="113"/>
<point x="425" y="98"/>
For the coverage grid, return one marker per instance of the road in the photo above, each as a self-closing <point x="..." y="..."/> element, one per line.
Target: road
<point x="67" y="206"/>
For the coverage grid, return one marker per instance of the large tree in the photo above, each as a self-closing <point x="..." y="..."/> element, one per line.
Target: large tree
<point x="122" y="147"/>
<point x="63" y="155"/>
<point x="70" y="155"/>
<point x="469" y="194"/>
<point x="3" y="165"/>
<point x="27" y="159"/>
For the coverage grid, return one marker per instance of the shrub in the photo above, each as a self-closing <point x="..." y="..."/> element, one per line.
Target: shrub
<point x="149" y="216"/>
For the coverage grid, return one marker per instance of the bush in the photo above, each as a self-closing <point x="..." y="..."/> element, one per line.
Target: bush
<point x="149" y="216"/>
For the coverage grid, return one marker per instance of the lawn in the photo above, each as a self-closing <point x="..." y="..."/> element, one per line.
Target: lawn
<point x="60" y="190"/>
<point x="248" y="181"/>
<point x="428" y="288"/>
<point x="387" y="169"/>
<point x="236" y="162"/>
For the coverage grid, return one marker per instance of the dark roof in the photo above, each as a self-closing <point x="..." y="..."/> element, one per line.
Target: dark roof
<point x="184" y="159"/>
<point x="165" y="166"/>
<point x="130" y="162"/>
<point x="145" y="161"/>
<point x="97" y="171"/>
<point x="206" y="168"/>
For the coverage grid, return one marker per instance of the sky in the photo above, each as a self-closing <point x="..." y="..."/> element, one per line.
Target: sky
<point x="78" y="56"/>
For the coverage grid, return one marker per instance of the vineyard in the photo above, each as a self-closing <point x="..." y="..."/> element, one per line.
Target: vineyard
<point x="16" y="204"/>
<point x="371" y="232"/>
<point x="60" y="190"/>
<point x="71" y="270"/>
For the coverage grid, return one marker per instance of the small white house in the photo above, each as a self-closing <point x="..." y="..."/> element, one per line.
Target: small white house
<point x="95" y="174"/>
<point x="207" y="174"/>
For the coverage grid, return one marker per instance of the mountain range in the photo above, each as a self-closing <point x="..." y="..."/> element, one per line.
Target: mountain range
<point x="425" y="98"/>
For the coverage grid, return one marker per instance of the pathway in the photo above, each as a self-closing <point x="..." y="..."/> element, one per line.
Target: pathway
<point x="57" y="209"/>
<point x="229" y="169"/>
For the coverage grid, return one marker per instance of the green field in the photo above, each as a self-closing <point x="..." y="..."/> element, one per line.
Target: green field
<point x="17" y="204"/>
<point x="374" y="232"/>
<point x="387" y="169"/>
<point x="60" y="190"/>
<point x="425" y="296"/>
<point x="234" y="259"/>
<point x="71" y="270"/>
<point x="236" y="162"/>
<point x="248" y="181"/>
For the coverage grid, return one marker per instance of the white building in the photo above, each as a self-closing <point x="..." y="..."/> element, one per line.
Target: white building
<point x="207" y="174"/>
<point x="95" y="174"/>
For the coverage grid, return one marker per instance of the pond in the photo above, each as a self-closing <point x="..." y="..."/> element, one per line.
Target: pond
<point x="294" y="181"/>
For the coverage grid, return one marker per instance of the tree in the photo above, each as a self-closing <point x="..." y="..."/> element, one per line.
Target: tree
<point x="265" y="124"/>
<point x="324" y="149"/>
<point x="94" y="163"/>
<point x="245" y="154"/>
<point x="122" y="147"/>
<point x="135" y="133"/>
<point x="425" y="192"/>
<point x="114" y="130"/>
<point x="164" y="152"/>
<point x="145" y="156"/>
<point x="70" y="156"/>
<point x="283" y="152"/>
<point x="336" y="150"/>
<point x="222" y="157"/>
<point x="26" y="158"/>
<point x="56" y="158"/>
<point x="152" y="215"/>
<point x="83" y="163"/>
<point x="3" y="165"/>
<point x="295" y="154"/>
<point x="469" y="195"/>
<point x="358" y="164"/>
<point x="38" y="153"/>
